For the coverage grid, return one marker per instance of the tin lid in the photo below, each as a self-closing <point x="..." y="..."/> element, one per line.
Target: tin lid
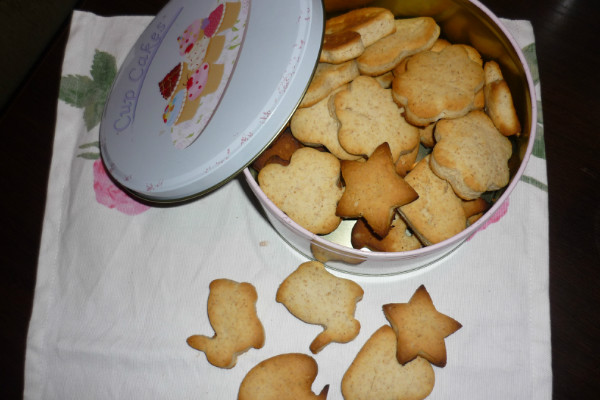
<point x="204" y="90"/>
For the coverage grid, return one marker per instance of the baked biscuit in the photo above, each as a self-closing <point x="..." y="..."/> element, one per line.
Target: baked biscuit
<point x="475" y="206"/>
<point x="438" y="85"/>
<point x="232" y="314"/>
<point x="328" y="77"/>
<point x="426" y="135"/>
<point x="369" y="117"/>
<point x="307" y="190"/>
<point x="279" y="152"/>
<point x="385" y="80"/>
<point x="499" y="102"/>
<point x="347" y="35"/>
<point x="374" y="190"/>
<point x="420" y="329"/>
<point x="406" y="162"/>
<point x="397" y="238"/>
<point x="282" y="377"/>
<point x="375" y="373"/>
<point x="438" y="212"/>
<point x="315" y="296"/>
<point x="315" y="126"/>
<point x="471" y="155"/>
<point x="412" y="36"/>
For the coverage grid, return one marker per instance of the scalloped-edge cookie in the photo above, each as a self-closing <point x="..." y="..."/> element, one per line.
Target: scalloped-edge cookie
<point x="471" y="154"/>
<point x="412" y="36"/>
<point x="368" y="117"/>
<point x="438" y="85"/>
<point x="316" y="296"/>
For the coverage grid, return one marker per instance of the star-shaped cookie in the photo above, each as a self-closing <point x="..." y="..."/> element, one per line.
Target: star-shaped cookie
<point x="374" y="190"/>
<point x="420" y="329"/>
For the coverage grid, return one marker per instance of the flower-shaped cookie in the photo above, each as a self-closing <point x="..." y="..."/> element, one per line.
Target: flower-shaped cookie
<point x="471" y="154"/>
<point x="438" y="85"/>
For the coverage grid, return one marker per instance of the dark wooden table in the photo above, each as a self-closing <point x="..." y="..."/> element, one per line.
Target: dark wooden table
<point x="569" y="65"/>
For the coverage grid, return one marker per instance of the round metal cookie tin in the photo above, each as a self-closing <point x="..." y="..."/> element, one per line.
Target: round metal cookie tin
<point x="207" y="87"/>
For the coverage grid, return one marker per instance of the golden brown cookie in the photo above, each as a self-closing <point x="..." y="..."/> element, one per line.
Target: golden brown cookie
<point x="282" y="377"/>
<point x="279" y="152"/>
<point x="412" y="36"/>
<point x="375" y="373"/>
<point x="315" y="126"/>
<point x="347" y="35"/>
<point x="471" y="154"/>
<point x="475" y="206"/>
<point x="426" y="135"/>
<point x="397" y="239"/>
<point x="438" y="213"/>
<point x="307" y="190"/>
<point x="369" y="117"/>
<point x="327" y="78"/>
<point x="315" y="296"/>
<point x="438" y="85"/>
<point x="406" y="162"/>
<point x="385" y="80"/>
<point x="232" y="314"/>
<point x="420" y="329"/>
<point x="374" y="190"/>
<point x="499" y="102"/>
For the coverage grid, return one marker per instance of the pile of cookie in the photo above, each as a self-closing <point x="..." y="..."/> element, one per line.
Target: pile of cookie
<point x="399" y="130"/>
<point x="394" y="363"/>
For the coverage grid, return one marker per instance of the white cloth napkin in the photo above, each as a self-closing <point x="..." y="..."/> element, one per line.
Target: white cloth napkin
<point x="120" y="286"/>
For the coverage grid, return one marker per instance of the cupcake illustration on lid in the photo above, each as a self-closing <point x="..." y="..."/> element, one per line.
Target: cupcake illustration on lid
<point x="211" y="24"/>
<point x="189" y="37"/>
<point x="174" y="108"/>
<point x="170" y="81"/>
<point x="208" y="49"/>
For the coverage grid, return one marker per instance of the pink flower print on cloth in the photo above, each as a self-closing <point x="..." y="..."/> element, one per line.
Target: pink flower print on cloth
<point x="109" y="195"/>
<point x="197" y="82"/>
<point x="188" y="38"/>
<point x="211" y="24"/>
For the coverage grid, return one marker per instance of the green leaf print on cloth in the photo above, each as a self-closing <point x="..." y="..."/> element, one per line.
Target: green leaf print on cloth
<point x="90" y="93"/>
